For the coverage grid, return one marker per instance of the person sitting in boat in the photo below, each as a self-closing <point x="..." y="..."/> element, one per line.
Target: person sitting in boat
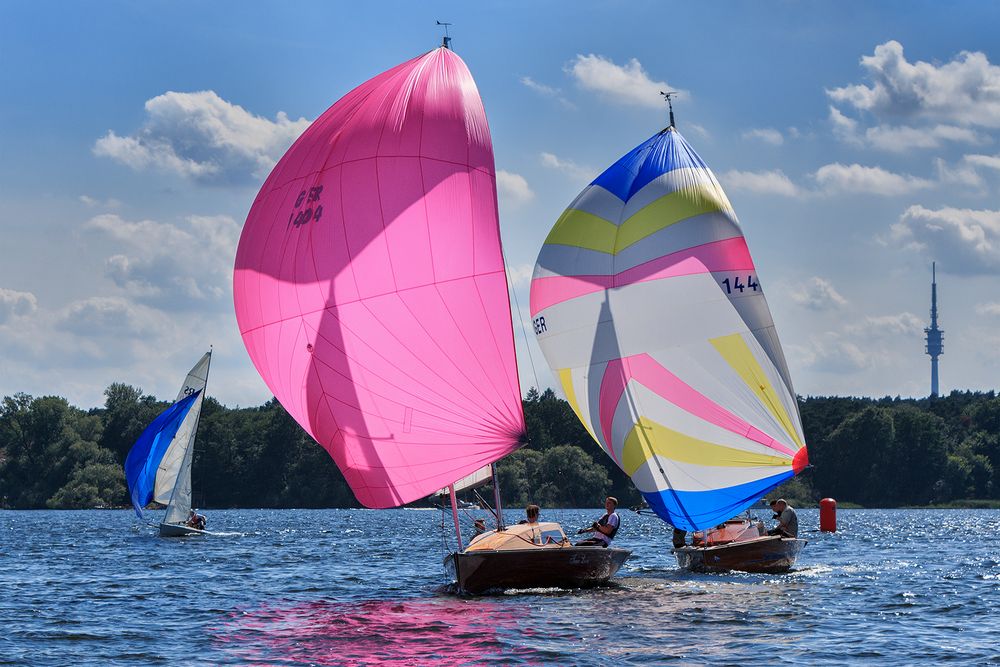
<point x="788" y="520"/>
<point x="604" y="529"/>
<point x="531" y="514"/>
<point x="195" y="520"/>
<point x="478" y="528"/>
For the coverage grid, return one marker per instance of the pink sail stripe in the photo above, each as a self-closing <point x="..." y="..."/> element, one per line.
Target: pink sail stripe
<point x="369" y="285"/>
<point x="646" y="371"/>
<point x="726" y="255"/>
<point x="612" y="387"/>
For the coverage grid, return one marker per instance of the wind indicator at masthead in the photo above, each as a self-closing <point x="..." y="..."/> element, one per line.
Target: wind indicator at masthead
<point x="446" y="40"/>
<point x="667" y="96"/>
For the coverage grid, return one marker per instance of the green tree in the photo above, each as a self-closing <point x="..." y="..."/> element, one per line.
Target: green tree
<point x="570" y="478"/>
<point x="850" y="461"/>
<point x="126" y="414"/>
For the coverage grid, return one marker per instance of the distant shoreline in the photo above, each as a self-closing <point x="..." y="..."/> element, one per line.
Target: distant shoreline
<point x="954" y="505"/>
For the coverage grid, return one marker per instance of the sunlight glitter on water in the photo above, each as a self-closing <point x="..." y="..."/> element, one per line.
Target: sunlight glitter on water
<point x="339" y="587"/>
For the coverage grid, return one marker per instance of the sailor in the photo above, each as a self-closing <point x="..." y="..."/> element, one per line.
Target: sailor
<point x="531" y="514"/>
<point x="479" y="527"/>
<point x="604" y="529"/>
<point x="788" y="520"/>
<point x="195" y="520"/>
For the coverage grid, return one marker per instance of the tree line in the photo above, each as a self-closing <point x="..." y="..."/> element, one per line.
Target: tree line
<point x="886" y="452"/>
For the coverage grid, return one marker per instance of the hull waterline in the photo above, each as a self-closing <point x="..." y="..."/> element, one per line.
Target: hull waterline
<point x="767" y="555"/>
<point x="178" y="530"/>
<point x="570" y="567"/>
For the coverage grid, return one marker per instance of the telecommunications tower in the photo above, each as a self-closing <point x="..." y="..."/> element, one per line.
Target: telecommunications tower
<point x="935" y="337"/>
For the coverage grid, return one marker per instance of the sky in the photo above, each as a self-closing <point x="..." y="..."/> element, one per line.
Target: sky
<point x="858" y="142"/>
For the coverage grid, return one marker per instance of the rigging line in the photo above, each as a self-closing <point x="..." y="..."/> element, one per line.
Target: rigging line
<point x="520" y="317"/>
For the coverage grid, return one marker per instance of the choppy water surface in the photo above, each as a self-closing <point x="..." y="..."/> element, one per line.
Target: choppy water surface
<point x="351" y="587"/>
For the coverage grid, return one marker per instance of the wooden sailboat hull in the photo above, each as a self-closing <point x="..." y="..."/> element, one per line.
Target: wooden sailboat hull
<point x="768" y="555"/>
<point x="570" y="567"/>
<point x="179" y="530"/>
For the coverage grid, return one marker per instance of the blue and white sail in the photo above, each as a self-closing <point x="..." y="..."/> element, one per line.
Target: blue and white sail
<point x="158" y="466"/>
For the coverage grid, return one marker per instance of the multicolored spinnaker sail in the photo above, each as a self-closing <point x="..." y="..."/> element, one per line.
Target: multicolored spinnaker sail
<point x="370" y="288"/>
<point x="647" y="306"/>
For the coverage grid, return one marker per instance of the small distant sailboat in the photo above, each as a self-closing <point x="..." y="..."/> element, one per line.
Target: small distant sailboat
<point x="648" y="308"/>
<point x="158" y="467"/>
<point x="371" y="295"/>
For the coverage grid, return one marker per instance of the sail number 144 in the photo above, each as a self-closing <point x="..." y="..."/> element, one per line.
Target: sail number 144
<point x="737" y="285"/>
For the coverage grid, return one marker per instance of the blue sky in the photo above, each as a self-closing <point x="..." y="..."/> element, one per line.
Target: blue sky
<point x="857" y="141"/>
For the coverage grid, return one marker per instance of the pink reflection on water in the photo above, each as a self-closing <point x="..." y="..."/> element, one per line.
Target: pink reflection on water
<point x="413" y="632"/>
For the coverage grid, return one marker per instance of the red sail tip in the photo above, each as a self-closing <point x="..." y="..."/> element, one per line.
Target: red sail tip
<point x="800" y="461"/>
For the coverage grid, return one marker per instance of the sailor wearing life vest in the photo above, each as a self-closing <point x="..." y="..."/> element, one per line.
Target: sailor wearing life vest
<point x="604" y="529"/>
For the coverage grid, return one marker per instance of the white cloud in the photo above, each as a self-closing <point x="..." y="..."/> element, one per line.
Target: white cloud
<point x="203" y="137"/>
<point x="697" y="129"/>
<point x="857" y="179"/>
<point x="567" y="167"/>
<point x="965" y="90"/>
<point x="183" y="264"/>
<point x="16" y="304"/>
<point x="513" y="188"/>
<point x="901" y="139"/>
<point x="844" y="128"/>
<point x="818" y="294"/>
<point x="831" y="352"/>
<point x="992" y="309"/>
<point x="761" y="182"/>
<point x="958" y="174"/>
<point x="964" y="240"/>
<point x="875" y="343"/>
<point x="887" y="326"/>
<point x="627" y="84"/>
<point x="91" y="202"/>
<point x="768" y="135"/>
<point x="109" y="316"/>
<point x="546" y="91"/>
<point x="520" y="275"/>
<point x="988" y="161"/>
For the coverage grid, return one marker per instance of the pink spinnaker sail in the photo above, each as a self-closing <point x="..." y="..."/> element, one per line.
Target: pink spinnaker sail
<point x="370" y="288"/>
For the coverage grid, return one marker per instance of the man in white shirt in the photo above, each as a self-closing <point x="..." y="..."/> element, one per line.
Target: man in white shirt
<point x="604" y="529"/>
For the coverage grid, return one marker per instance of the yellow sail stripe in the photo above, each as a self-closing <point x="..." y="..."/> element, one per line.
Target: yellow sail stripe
<point x="737" y="354"/>
<point x="585" y="230"/>
<point x="668" y="210"/>
<point x="648" y="439"/>
<point x="566" y="378"/>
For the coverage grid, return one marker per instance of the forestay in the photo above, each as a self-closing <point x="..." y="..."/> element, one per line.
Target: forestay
<point x="370" y="288"/>
<point x="649" y="310"/>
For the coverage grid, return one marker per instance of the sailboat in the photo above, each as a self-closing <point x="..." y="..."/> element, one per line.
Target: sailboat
<point x="649" y="311"/>
<point x="158" y="467"/>
<point x="371" y="293"/>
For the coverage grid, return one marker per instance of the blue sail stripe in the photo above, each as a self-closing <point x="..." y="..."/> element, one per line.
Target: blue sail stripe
<point x="149" y="448"/>
<point x="697" y="510"/>
<point x="661" y="153"/>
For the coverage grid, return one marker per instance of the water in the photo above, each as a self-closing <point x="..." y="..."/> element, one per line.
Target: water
<point x="352" y="587"/>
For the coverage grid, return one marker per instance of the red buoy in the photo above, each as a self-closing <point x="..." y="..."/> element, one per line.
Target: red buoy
<point x="828" y="515"/>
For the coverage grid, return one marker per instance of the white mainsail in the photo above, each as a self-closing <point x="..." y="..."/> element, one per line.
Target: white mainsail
<point x="478" y="478"/>
<point x="173" y="476"/>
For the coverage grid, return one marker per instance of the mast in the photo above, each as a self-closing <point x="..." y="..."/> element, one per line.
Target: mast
<point x="454" y="515"/>
<point x="496" y="497"/>
<point x="935" y="337"/>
